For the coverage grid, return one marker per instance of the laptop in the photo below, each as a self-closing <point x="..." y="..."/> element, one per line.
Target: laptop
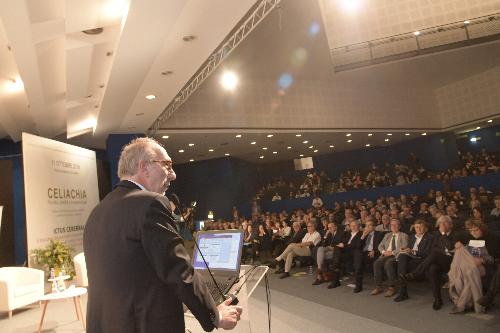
<point x="222" y="252"/>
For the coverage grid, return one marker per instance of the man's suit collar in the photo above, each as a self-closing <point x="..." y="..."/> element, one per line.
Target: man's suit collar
<point x="127" y="184"/>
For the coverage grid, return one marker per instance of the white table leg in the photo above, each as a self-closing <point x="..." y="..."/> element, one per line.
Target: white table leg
<point x="76" y="309"/>
<point x="81" y="314"/>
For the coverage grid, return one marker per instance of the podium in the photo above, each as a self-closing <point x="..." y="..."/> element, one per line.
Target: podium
<point x="250" y="277"/>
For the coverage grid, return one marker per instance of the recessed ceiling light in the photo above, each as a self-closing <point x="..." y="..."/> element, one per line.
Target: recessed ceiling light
<point x="332" y="146"/>
<point x="370" y="134"/>
<point x="466" y="22"/>
<point x="210" y="150"/>
<point x="275" y="152"/>
<point x="150" y="97"/>
<point x="270" y="135"/>
<point x="288" y="147"/>
<point x="315" y="150"/>
<point x="386" y="140"/>
<point x="473" y="139"/>
<point x="389" y="134"/>
<point x="490" y="121"/>
<point x="238" y="135"/>
<point x="167" y="72"/>
<point x="310" y="147"/>
<point x="348" y="134"/>
<point x="191" y="160"/>
<point x="253" y="142"/>
<point x="305" y="141"/>
<point x="229" y="80"/>
<point x="416" y="33"/>
<point x="479" y="127"/>
<point x="264" y="148"/>
<point x="137" y="114"/>
<point x="181" y="150"/>
<point x="367" y="145"/>
<point x="424" y="133"/>
<point x="407" y="134"/>
<point x="298" y="135"/>
<point x="261" y="157"/>
<point x="349" y="140"/>
<point x="226" y="154"/>
<point x="191" y="144"/>
<point x="301" y="155"/>
<point x="165" y="137"/>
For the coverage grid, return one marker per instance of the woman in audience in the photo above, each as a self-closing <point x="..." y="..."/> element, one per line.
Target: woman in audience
<point x="262" y="244"/>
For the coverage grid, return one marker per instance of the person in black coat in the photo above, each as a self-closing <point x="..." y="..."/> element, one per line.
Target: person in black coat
<point x="138" y="270"/>
<point x="324" y="251"/>
<point x="350" y="253"/>
<point x="438" y="262"/>
<point x="419" y="246"/>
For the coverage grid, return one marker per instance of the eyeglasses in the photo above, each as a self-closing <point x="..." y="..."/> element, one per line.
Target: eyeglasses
<point x="166" y="164"/>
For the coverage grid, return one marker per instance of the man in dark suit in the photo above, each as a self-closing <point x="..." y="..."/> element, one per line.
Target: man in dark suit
<point x="350" y="253"/>
<point x="419" y="245"/>
<point x="138" y="269"/>
<point x="324" y="252"/>
<point x="439" y="260"/>
<point x="372" y="240"/>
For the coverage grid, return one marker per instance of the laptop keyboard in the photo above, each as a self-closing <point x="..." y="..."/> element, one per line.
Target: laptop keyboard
<point x="224" y="287"/>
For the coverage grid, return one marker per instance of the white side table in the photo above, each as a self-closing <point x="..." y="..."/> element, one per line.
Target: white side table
<point x="74" y="293"/>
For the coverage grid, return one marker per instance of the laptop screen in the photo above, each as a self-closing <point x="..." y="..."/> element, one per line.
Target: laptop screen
<point x="222" y="250"/>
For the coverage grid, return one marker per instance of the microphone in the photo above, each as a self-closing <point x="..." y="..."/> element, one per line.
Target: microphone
<point x="234" y="298"/>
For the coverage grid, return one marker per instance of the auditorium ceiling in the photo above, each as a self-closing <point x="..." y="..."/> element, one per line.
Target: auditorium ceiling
<point x="64" y="77"/>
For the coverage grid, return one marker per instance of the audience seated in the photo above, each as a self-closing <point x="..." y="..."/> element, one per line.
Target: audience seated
<point x="324" y="252"/>
<point x="302" y="249"/>
<point x="389" y="248"/>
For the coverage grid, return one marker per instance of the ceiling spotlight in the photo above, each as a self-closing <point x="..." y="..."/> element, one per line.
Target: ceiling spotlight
<point x="424" y="134"/>
<point x="165" y="137"/>
<point x="298" y="135"/>
<point x="350" y="6"/>
<point x="253" y="142"/>
<point x="238" y="135"/>
<point x="386" y="140"/>
<point x="288" y="147"/>
<point x="181" y="150"/>
<point x="264" y="148"/>
<point x="473" y="139"/>
<point x="370" y="134"/>
<point x="310" y="147"/>
<point x="229" y="80"/>
<point x="270" y="135"/>
<point x="466" y="22"/>
<point x="261" y="157"/>
<point x="210" y="150"/>
<point x="191" y="144"/>
<point x="416" y="33"/>
<point x="191" y="160"/>
<point x="479" y="127"/>
<point x="389" y="134"/>
<point x="349" y="140"/>
<point x="348" y="134"/>
<point x="305" y="141"/>
<point x="167" y="72"/>
<point x="150" y="97"/>
<point x="407" y="134"/>
<point x="490" y="121"/>
<point x="275" y="152"/>
<point x="315" y="150"/>
<point x="226" y="154"/>
<point x="301" y="155"/>
<point x="332" y="146"/>
<point x="15" y="85"/>
<point x="367" y="145"/>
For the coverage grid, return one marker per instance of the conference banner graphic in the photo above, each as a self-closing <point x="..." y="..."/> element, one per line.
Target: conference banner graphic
<point x="60" y="189"/>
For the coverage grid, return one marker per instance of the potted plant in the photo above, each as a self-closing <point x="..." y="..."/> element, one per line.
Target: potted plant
<point x="57" y="255"/>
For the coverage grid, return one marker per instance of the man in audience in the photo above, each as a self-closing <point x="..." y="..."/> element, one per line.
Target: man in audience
<point x="317" y="202"/>
<point x="439" y="259"/>
<point x="385" y="226"/>
<point x="350" y="253"/>
<point x="370" y="249"/>
<point x="406" y="219"/>
<point x="389" y="248"/>
<point x="325" y="252"/>
<point x="409" y="258"/>
<point x="302" y="249"/>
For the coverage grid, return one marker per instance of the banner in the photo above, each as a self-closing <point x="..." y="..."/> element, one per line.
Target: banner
<point x="60" y="186"/>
